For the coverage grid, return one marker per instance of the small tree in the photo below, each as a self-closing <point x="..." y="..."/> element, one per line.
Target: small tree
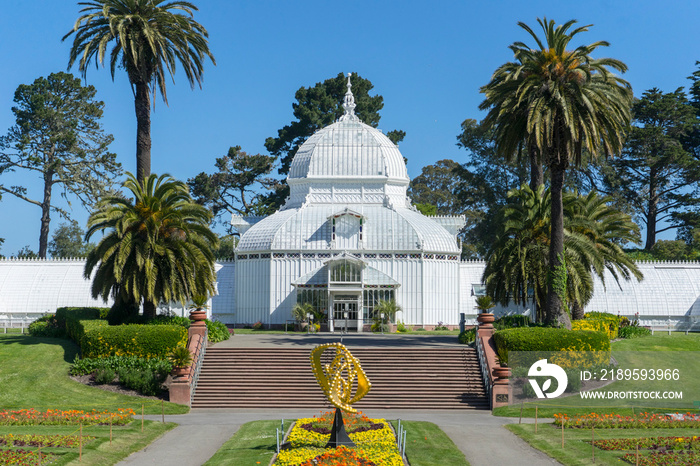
<point x="387" y="307"/>
<point x="67" y="241"/>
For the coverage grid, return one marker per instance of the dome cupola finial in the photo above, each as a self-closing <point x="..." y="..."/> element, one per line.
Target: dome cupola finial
<point x="349" y="104"/>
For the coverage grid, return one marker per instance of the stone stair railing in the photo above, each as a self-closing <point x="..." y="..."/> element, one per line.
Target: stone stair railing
<point x="183" y="387"/>
<point x="495" y="376"/>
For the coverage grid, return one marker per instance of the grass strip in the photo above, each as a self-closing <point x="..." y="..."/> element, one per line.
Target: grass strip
<point x="254" y="443"/>
<point x="577" y="447"/>
<point x="35" y="375"/>
<point x="428" y="445"/>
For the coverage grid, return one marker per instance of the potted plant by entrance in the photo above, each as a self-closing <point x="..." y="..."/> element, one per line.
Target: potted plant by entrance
<point x="181" y="358"/>
<point x="384" y="313"/>
<point x="484" y="304"/>
<point x="300" y="313"/>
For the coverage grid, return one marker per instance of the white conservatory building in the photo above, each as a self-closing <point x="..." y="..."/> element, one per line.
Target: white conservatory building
<point x="348" y="237"/>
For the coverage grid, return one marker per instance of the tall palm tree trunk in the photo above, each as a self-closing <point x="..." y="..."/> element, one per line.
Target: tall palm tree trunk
<point x="149" y="309"/>
<point x="577" y="311"/>
<point x="142" y="104"/>
<point x="556" y="311"/>
<point x="536" y="170"/>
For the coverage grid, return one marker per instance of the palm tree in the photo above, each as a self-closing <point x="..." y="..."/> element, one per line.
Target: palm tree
<point x="158" y="246"/>
<point x="590" y="219"/>
<point x="518" y="263"/>
<point x="389" y="308"/>
<point x="573" y="102"/>
<point x="150" y="37"/>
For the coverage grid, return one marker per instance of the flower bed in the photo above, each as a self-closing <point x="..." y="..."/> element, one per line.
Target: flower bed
<point x="32" y="417"/>
<point x="638" y="421"/>
<point x="670" y="458"/>
<point x="25" y="457"/>
<point x="650" y="443"/>
<point x="63" y="441"/>
<point x="374" y="439"/>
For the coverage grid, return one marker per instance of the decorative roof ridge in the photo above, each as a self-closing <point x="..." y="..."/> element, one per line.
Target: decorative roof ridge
<point x="40" y="260"/>
<point x="462" y="216"/>
<point x="349" y="104"/>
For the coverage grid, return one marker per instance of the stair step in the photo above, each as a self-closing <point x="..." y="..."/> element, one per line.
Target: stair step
<point x="408" y="378"/>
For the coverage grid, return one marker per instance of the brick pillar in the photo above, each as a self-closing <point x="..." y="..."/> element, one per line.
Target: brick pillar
<point x="180" y="390"/>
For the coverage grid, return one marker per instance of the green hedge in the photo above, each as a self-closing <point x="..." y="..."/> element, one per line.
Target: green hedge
<point x="572" y="348"/>
<point x="550" y="339"/>
<point x="146" y="341"/>
<point x="67" y="318"/>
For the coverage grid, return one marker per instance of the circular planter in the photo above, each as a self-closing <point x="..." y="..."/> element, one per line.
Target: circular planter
<point x="486" y="319"/>
<point x="501" y="372"/>
<point x="181" y="371"/>
<point x="197" y="317"/>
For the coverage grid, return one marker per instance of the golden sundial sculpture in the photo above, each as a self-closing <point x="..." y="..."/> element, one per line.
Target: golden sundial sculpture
<point x="337" y="389"/>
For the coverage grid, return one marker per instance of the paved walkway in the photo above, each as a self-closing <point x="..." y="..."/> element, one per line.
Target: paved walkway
<point x="481" y="436"/>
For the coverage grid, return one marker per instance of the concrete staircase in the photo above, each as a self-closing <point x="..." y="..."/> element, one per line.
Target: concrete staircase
<point x="402" y="378"/>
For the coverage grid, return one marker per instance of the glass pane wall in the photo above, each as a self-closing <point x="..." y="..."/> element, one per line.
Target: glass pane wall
<point x="345" y="271"/>
<point x="370" y="298"/>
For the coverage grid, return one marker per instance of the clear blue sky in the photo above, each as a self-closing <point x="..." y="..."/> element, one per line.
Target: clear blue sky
<point x="428" y="60"/>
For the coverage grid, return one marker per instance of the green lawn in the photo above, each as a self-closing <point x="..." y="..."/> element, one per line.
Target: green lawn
<point x="254" y="443"/>
<point x="125" y="440"/>
<point x="649" y="351"/>
<point x="646" y="352"/>
<point x="577" y="447"/>
<point x="34" y="374"/>
<point x="660" y="342"/>
<point x="428" y="445"/>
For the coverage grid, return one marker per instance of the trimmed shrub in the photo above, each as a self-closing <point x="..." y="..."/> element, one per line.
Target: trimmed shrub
<point x="67" y="318"/>
<point x="632" y="331"/>
<point x="596" y="325"/>
<point x="550" y="339"/>
<point x="143" y="381"/>
<point x="170" y="320"/>
<point x="515" y="320"/>
<point x="467" y="336"/>
<point x="540" y="342"/>
<point x="600" y="321"/>
<point x="216" y="331"/>
<point x="46" y="326"/>
<point x="146" y="341"/>
<point x="90" y="365"/>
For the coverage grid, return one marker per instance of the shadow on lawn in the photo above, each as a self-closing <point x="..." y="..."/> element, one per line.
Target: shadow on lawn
<point x="70" y="349"/>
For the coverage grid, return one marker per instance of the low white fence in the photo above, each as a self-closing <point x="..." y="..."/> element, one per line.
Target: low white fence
<point x="17" y="320"/>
